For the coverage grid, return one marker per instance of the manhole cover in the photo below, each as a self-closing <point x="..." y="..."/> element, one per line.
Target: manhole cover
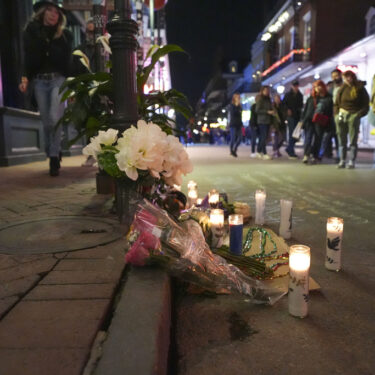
<point x="57" y="234"/>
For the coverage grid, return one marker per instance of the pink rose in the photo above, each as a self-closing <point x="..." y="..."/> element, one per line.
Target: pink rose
<point x="137" y="254"/>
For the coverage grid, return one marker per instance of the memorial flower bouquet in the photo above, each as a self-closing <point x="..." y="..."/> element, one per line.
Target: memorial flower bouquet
<point x="141" y="152"/>
<point x="181" y="248"/>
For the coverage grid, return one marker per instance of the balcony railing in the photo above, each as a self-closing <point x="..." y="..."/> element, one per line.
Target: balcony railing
<point x="295" y="55"/>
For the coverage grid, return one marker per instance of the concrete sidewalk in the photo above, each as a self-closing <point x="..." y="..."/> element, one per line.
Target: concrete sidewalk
<point x="53" y="305"/>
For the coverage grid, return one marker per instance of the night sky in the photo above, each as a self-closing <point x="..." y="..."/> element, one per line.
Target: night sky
<point x="206" y="29"/>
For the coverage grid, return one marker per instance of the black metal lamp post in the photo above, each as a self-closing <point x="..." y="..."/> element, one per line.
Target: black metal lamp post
<point x="123" y="44"/>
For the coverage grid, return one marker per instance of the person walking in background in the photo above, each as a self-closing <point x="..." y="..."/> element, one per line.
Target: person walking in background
<point x="330" y="134"/>
<point x="264" y="111"/>
<point x="235" y="123"/>
<point x="48" y="52"/>
<point x="254" y="130"/>
<point x="279" y="125"/>
<point x="352" y="103"/>
<point x="316" y="117"/>
<point x="293" y="102"/>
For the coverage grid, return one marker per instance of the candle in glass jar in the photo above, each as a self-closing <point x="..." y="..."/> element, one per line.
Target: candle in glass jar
<point x="213" y="198"/>
<point x="217" y="227"/>
<point x="192" y="185"/>
<point x="335" y="228"/>
<point x="285" y="229"/>
<point x="235" y="234"/>
<point x="299" y="266"/>
<point x="260" y="206"/>
<point x="199" y="201"/>
<point x="192" y="197"/>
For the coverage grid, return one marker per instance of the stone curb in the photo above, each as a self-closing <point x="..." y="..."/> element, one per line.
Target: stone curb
<point x="139" y="335"/>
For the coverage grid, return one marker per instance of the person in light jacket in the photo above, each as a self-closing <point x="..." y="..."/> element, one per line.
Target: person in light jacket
<point x="352" y="103"/>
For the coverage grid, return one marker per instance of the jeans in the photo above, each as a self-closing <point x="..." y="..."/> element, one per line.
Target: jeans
<point x="313" y="139"/>
<point x="235" y="138"/>
<point x="254" y="136"/>
<point x="347" y="123"/>
<point x="278" y="140"/>
<point x="51" y="110"/>
<point x="292" y="123"/>
<point x="263" y="130"/>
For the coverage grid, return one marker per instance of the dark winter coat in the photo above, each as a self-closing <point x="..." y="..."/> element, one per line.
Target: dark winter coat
<point x="294" y="102"/>
<point x="43" y="53"/>
<point x="235" y="116"/>
<point x="263" y="105"/>
<point x="323" y="105"/>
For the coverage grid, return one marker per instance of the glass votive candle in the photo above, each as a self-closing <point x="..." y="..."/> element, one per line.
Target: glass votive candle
<point x="192" y="197"/>
<point x="213" y="198"/>
<point x="335" y="229"/>
<point x="260" y="207"/>
<point x="235" y="234"/>
<point x="285" y="229"/>
<point x="192" y="185"/>
<point x="217" y="227"/>
<point x="299" y="267"/>
<point x="199" y="201"/>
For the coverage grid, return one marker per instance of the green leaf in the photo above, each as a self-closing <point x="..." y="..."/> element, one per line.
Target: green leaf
<point x="108" y="162"/>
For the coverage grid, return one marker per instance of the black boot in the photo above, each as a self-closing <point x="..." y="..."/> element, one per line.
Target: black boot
<point x="54" y="166"/>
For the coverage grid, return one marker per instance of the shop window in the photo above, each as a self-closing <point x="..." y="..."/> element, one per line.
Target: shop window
<point x="281" y="50"/>
<point x="372" y="25"/>
<point x="292" y="38"/>
<point x="307" y="30"/>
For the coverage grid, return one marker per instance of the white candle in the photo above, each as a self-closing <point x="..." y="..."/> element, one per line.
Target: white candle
<point x="192" y="185"/>
<point x="199" y="201"/>
<point x="213" y="198"/>
<point x="217" y="227"/>
<point x="299" y="266"/>
<point x="260" y="205"/>
<point x="335" y="228"/>
<point x="177" y="187"/>
<point x="192" y="197"/>
<point x="285" y="229"/>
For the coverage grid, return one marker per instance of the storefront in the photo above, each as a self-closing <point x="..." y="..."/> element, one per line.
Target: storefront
<point x="360" y="58"/>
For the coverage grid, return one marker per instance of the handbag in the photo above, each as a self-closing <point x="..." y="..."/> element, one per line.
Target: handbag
<point x="297" y="131"/>
<point x="320" y="119"/>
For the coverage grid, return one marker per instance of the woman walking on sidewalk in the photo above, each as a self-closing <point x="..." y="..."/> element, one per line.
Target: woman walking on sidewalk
<point x="279" y="126"/>
<point x="316" y="118"/>
<point x="235" y="123"/>
<point x="48" y="52"/>
<point x="352" y="103"/>
<point x="265" y="111"/>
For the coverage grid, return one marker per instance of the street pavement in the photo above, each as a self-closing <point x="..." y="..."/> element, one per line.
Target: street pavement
<point x="226" y="335"/>
<point x="53" y="305"/>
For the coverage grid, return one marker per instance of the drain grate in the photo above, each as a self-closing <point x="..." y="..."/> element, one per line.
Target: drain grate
<point x="57" y="234"/>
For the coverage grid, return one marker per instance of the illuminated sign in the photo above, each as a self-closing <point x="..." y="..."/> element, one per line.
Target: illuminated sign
<point x="344" y="68"/>
<point x="285" y="58"/>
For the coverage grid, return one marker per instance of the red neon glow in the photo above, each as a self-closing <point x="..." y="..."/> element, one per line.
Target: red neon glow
<point x="285" y="58"/>
<point x="345" y="68"/>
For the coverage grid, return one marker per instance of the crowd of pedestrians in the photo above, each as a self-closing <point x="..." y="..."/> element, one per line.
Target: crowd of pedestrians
<point x="330" y="115"/>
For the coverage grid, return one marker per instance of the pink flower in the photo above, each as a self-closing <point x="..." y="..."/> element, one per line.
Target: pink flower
<point x="137" y="254"/>
<point x="144" y="220"/>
